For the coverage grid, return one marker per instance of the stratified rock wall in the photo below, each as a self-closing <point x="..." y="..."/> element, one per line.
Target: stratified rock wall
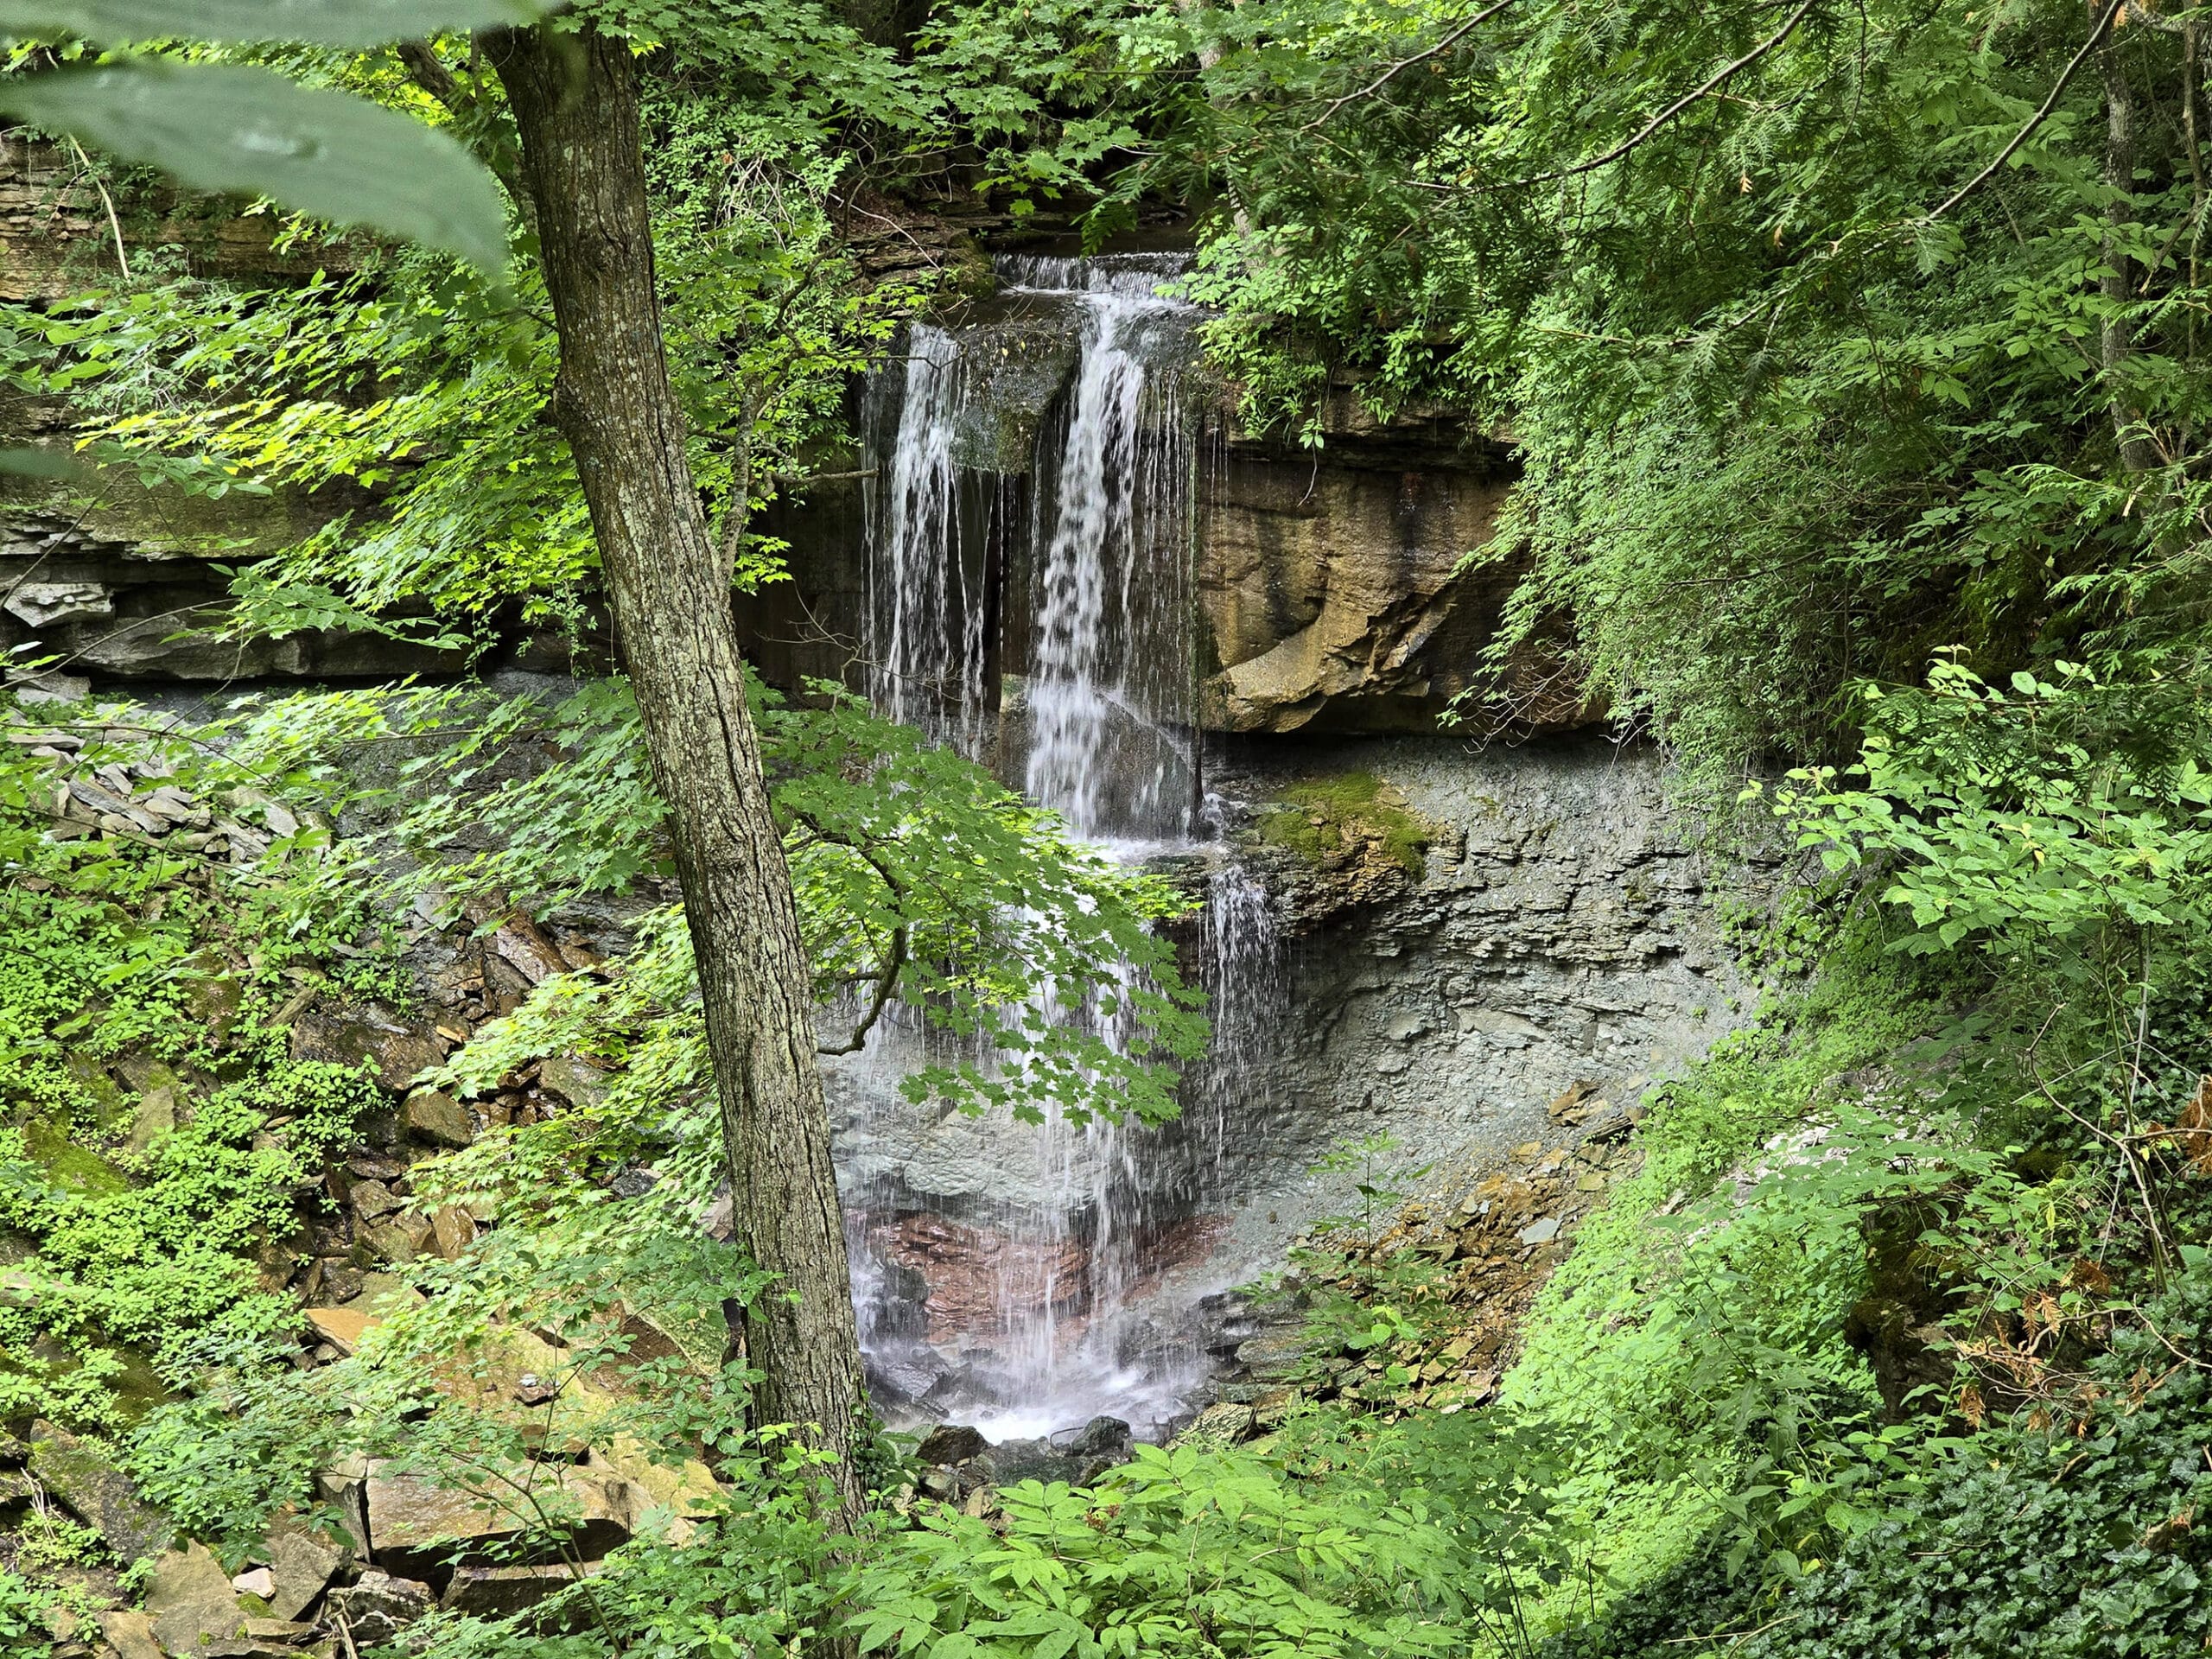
<point x="1557" y="935"/>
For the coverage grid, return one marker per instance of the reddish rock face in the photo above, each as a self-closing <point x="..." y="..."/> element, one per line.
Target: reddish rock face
<point x="981" y="1279"/>
<point x="1178" y="1245"/>
<point x="979" y="1276"/>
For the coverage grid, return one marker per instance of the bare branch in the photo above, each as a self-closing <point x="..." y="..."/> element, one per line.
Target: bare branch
<point x="1402" y="64"/>
<point x="1650" y="128"/>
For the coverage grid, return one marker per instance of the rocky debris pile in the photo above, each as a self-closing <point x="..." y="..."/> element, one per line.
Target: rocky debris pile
<point x="141" y="798"/>
<point x="406" y="1543"/>
<point x="1493" y="1240"/>
<point x="959" y="1466"/>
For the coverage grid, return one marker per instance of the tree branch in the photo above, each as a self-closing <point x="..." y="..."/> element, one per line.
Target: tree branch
<point x="2058" y="90"/>
<point x="428" y="71"/>
<point x="1651" y="128"/>
<point x="1392" y="73"/>
<point x="894" y="962"/>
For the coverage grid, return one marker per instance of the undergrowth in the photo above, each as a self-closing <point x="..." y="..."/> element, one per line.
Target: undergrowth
<point x="155" y="1135"/>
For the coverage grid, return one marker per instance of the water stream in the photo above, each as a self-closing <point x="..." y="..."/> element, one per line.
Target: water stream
<point x="1031" y="603"/>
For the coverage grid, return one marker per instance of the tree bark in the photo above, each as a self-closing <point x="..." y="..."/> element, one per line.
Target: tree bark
<point x="2117" y="345"/>
<point x="575" y="103"/>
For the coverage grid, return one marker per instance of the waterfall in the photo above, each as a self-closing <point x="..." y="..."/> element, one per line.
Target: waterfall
<point x="1031" y="602"/>
<point x="925" y="621"/>
<point x="1111" y="681"/>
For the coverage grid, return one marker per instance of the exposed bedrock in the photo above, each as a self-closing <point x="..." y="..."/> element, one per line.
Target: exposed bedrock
<point x="1330" y="590"/>
<point x="1551" y="932"/>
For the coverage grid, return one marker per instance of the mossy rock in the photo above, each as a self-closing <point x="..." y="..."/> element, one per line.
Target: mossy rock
<point x="1321" y="820"/>
<point x="96" y="1088"/>
<point x="71" y="1167"/>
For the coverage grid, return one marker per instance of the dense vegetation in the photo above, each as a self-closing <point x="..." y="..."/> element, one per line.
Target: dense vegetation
<point x="1853" y="356"/>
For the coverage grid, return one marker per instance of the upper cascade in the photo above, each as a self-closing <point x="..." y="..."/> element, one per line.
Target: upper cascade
<point x="1124" y="276"/>
<point x="1033" y="602"/>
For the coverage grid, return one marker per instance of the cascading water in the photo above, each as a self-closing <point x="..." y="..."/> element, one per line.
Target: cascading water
<point x="1039" y="1310"/>
<point x="1112" y="683"/>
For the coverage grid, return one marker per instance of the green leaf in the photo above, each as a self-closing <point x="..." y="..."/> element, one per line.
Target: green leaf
<point x="231" y="128"/>
<point x="317" y="22"/>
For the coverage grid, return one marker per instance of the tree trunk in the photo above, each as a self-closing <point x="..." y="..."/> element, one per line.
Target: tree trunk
<point x="575" y="103"/>
<point x="2137" y="453"/>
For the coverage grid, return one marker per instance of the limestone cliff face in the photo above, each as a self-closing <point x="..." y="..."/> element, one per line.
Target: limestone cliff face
<point x="56" y="239"/>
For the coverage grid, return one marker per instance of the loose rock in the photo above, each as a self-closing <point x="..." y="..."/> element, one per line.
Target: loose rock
<point x="191" y="1602"/>
<point x="432" y="1116"/>
<point x="951" y="1443"/>
<point x="375" y="1610"/>
<point x="100" y="1494"/>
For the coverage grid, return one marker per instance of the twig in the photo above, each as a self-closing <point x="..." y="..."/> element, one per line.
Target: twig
<point x="114" y="225"/>
<point x="894" y="962"/>
<point x="2128" y="1158"/>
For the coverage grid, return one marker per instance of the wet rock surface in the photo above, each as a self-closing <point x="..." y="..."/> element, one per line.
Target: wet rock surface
<point x="960" y="1466"/>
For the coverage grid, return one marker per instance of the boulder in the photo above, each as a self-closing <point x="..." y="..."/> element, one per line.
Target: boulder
<point x="502" y="1592"/>
<point x="435" y="1117"/>
<point x="372" y="1200"/>
<point x="41" y="604"/>
<point x="1016" y="1460"/>
<point x="213" y="995"/>
<point x="99" y="1494"/>
<point x="191" y="1603"/>
<point x="132" y="1634"/>
<point x="257" y="1581"/>
<point x="575" y="1081"/>
<point x="154" y="1116"/>
<point x="343" y="1327"/>
<point x="453" y="1229"/>
<point x="671" y="1492"/>
<point x="397" y="1050"/>
<point x="1219" y="1425"/>
<point x="420" y="1528"/>
<point x="344" y="1487"/>
<point x="401" y="1239"/>
<point x="1273" y="1355"/>
<point x="951" y="1443"/>
<point x="1107" y="1437"/>
<point x="301" y="1563"/>
<point x="373" y="1611"/>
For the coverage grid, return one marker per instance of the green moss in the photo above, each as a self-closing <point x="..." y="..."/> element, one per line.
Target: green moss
<point x="73" y="1167"/>
<point x="1322" y="818"/>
